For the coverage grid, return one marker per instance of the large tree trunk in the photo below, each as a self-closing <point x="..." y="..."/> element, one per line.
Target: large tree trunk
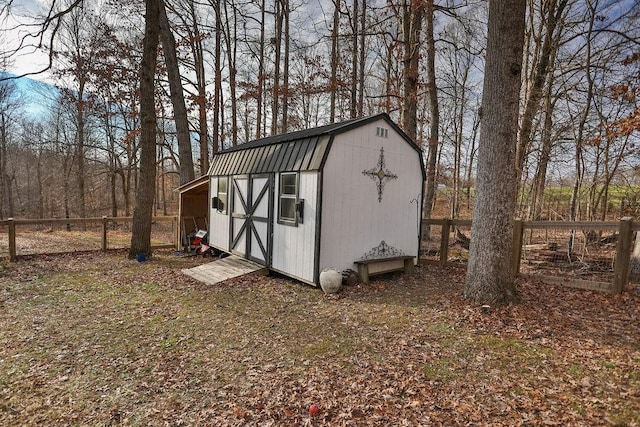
<point x="490" y="276"/>
<point x="142" y="214"/>
<point x="413" y="12"/>
<point x="177" y="98"/>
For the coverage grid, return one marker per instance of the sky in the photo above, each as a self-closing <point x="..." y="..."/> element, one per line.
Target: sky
<point x="12" y="30"/>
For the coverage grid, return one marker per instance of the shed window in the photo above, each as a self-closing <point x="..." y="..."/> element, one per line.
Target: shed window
<point x="222" y="194"/>
<point x="288" y="197"/>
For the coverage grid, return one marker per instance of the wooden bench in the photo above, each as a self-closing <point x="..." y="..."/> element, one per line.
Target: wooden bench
<point x="371" y="267"/>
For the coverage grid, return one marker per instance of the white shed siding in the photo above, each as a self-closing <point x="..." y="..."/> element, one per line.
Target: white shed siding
<point x="218" y="222"/>
<point x="294" y="247"/>
<point x="353" y="220"/>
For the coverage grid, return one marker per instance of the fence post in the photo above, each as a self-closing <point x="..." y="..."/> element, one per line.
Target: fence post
<point x="518" y="229"/>
<point x="623" y="255"/>
<point x="444" y="241"/>
<point x="176" y="231"/>
<point x="12" y="239"/>
<point x="104" y="233"/>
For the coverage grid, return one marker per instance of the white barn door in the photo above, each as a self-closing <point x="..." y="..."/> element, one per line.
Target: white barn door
<point x="251" y="217"/>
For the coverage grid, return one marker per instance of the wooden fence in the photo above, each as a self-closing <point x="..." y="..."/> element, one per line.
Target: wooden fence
<point x="105" y="223"/>
<point x="623" y="232"/>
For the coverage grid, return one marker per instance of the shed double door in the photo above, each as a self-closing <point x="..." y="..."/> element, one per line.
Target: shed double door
<point x="251" y="217"/>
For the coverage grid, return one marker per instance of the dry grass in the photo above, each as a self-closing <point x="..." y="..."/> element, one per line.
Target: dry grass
<point x="98" y="340"/>
<point x="51" y="241"/>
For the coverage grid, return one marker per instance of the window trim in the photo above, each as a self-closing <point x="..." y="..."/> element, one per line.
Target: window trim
<point x="225" y="210"/>
<point x="288" y="221"/>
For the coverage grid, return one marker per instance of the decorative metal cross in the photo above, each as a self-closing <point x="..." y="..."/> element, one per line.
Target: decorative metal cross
<point x="380" y="174"/>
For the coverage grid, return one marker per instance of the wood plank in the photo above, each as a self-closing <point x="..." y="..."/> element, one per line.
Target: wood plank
<point x="222" y="269"/>
<point x="573" y="283"/>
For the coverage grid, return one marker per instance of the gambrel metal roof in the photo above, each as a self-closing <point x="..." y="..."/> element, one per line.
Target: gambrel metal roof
<point x="304" y="150"/>
<point x="297" y="155"/>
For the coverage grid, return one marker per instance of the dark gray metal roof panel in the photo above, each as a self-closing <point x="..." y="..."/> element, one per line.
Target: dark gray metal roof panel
<point x="304" y="146"/>
<point x="281" y="164"/>
<point x="262" y="158"/>
<point x="294" y="154"/>
<point x="311" y="146"/>
<point x="318" y="154"/>
<point x="253" y="157"/>
<point x="274" y="157"/>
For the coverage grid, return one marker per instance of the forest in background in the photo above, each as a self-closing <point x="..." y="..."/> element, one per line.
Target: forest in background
<point x="253" y="69"/>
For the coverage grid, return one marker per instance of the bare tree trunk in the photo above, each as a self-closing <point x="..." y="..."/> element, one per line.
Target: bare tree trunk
<point x="285" y="73"/>
<point x="261" y="77"/>
<point x="540" y="177"/>
<point x="579" y="169"/>
<point x="434" y="123"/>
<point x="363" y="31"/>
<point x="3" y="163"/>
<point x="554" y="11"/>
<point x="217" y="79"/>
<point x="412" y="14"/>
<point x="80" y="151"/>
<point x="277" y="41"/>
<point x="490" y="275"/>
<point x="353" y="110"/>
<point x="387" y="79"/>
<point x="230" y="41"/>
<point x="333" y="80"/>
<point x="471" y="156"/>
<point x="112" y="160"/>
<point x="201" y="85"/>
<point x="187" y="173"/>
<point x="142" y="214"/>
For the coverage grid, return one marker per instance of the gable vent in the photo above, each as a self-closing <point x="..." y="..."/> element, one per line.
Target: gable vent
<point x="382" y="132"/>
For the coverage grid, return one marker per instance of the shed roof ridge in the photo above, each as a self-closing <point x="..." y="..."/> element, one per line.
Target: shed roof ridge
<point x="301" y="134"/>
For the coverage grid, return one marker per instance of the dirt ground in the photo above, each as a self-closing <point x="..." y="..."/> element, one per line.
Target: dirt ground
<point x="95" y="339"/>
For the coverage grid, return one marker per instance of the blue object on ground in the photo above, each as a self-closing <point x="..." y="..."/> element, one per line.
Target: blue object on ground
<point x="141" y="257"/>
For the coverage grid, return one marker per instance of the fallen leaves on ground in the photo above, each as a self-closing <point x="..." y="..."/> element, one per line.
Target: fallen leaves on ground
<point x="93" y="339"/>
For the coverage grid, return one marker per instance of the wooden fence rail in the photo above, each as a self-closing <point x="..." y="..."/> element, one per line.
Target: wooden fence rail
<point x="625" y="230"/>
<point x="103" y="221"/>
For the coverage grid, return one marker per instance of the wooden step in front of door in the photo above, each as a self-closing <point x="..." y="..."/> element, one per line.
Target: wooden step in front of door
<point x="223" y="269"/>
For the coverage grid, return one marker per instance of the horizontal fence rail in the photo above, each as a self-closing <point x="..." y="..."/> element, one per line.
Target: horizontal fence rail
<point x="607" y="245"/>
<point x="105" y="223"/>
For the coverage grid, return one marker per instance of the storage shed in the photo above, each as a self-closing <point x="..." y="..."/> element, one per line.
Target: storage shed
<point x="344" y="195"/>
